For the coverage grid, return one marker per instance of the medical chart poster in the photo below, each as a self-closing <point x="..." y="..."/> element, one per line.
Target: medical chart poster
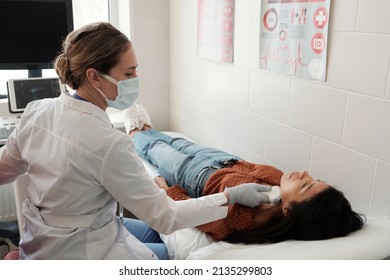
<point x="216" y="30"/>
<point x="294" y="37"/>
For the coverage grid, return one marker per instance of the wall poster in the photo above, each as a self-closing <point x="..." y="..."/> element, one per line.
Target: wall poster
<point x="293" y="37"/>
<point x="216" y="30"/>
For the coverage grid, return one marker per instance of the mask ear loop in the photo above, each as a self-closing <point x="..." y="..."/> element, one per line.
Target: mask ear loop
<point x="101" y="92"/>
<point x="109" y="78"/>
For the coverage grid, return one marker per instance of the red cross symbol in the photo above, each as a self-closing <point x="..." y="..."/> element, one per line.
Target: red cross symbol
<point x="320" y="18"/>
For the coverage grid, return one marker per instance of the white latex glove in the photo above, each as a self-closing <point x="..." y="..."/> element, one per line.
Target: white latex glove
<point x="248" y="194"/>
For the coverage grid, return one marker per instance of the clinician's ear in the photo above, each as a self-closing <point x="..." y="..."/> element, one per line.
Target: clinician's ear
<point x="93" y="77"/>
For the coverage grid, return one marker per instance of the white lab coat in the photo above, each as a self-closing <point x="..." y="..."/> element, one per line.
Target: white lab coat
<point x="79" y="166"/>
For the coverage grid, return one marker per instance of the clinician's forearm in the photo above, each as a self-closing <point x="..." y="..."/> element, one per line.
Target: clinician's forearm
<point x="167" y="215"/>
<point x="196" y="211"/>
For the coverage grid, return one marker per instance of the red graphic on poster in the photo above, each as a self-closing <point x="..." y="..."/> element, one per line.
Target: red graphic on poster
<point x="318" y="43"/>
<point x="228" y="11"/>
<point x="227" y="40"/>
<point x="282" y="35"/>
<point x="270" y="19"/>
<point x="320" y="18"/>
<point x="283" y="55"/>
<point x="228" y="26"/>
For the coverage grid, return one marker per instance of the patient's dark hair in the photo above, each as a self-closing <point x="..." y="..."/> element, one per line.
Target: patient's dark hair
<point x="326" y="215"/>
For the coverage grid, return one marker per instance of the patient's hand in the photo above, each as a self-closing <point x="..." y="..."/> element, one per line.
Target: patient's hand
<point x="161" y="182"/>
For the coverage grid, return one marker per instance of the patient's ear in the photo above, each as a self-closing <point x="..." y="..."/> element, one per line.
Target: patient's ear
<point x="286" y="210"/>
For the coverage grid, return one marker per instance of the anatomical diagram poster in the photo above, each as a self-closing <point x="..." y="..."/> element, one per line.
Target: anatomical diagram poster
<point x="294" y="37"/>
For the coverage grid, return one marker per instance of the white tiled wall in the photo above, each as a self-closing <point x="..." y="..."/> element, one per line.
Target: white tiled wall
<point x="339" y="130"/>
<point x="150" y="35"/>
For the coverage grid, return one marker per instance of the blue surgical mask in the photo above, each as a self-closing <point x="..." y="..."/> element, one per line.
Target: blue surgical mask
<point x="128" y="91"/>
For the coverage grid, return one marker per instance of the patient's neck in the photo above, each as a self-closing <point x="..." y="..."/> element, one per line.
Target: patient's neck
<point x="265" y="212"/>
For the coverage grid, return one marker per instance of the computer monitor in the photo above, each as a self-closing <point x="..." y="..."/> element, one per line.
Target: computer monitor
<point x="23" y="91"/>
<point x="31" y="33"/>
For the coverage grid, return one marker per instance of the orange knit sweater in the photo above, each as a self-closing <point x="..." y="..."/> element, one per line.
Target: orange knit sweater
<point x="239" y="217"/>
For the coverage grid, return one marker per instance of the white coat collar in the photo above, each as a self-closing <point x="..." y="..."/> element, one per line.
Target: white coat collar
<point x="83" y="106"/>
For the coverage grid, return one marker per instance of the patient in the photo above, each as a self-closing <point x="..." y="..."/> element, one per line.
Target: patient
<point x="308" y="210"/>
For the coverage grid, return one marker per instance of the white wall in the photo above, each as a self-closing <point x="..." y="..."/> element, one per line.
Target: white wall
<point x="338" y="130"/>
<point x="150" y="35"/>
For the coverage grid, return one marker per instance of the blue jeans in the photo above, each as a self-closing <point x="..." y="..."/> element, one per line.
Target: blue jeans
<point x="180" y="161"/>
<point x="148" y="236"/>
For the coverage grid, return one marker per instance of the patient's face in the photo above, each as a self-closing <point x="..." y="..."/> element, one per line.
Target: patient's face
<point x="298" y="186"/>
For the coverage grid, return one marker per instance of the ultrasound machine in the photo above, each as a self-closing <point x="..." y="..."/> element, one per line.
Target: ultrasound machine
<point x="20" y="93"/>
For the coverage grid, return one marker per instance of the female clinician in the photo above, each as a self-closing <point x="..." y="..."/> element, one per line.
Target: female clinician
<point x="79" y="166"/>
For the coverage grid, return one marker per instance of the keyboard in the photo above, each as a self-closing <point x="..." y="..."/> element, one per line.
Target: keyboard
<point x="5" y="132"/>
<point x="7" y="126"/>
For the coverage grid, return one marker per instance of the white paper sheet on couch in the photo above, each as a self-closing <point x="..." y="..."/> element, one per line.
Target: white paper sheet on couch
<point x="371" y="242"/>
